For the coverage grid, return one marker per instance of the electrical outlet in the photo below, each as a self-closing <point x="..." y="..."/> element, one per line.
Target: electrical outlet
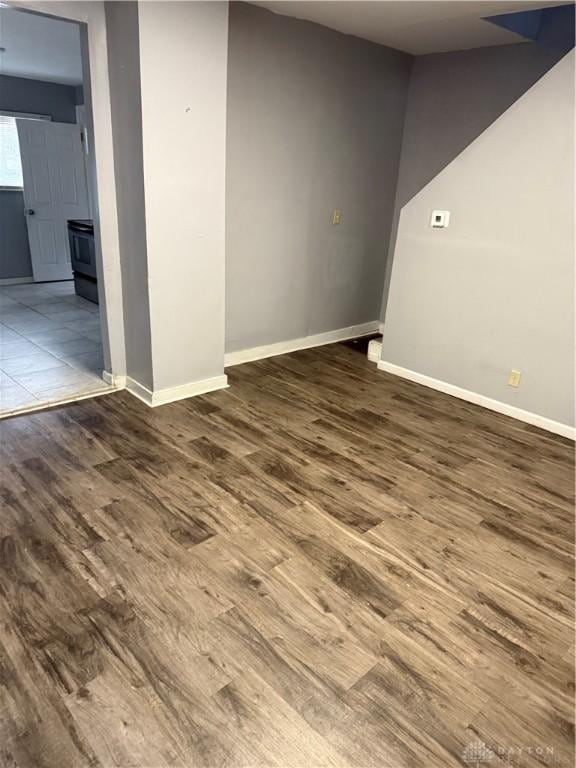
<point x="336" y="216"/>
<point x="514" y="378"/>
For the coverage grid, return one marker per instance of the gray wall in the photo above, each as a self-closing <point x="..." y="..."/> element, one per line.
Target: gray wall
<point x="495" y="291"/>
<point x="314" y="123"/>
<point x="15" y="258"/>
<point x="183" y="62"/>
<point x="168" y="68"/>
<point x="453" y="97"/>
<point x="124" y="73"/>
<point x="18" y="94"/>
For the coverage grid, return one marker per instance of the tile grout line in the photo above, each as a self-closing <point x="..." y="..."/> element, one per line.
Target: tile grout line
<point x="15" y="304"/>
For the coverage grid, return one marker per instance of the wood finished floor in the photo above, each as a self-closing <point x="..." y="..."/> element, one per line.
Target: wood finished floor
<point x="323" y="565"/>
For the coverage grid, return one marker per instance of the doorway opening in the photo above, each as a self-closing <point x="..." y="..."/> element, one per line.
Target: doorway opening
<point x="50" y="297"/>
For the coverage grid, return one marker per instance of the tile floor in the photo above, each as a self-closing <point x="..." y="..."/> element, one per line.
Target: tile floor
<point x="50" y="346"/>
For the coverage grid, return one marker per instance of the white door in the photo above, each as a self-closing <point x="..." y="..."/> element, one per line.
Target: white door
<point x="55" y="190"/>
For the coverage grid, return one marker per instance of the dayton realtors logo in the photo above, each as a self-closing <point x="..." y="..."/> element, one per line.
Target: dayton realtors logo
<point x="478" y="754"/>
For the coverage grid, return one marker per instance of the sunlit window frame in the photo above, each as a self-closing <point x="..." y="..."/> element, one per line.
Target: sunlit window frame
<point x="24" y="116"/>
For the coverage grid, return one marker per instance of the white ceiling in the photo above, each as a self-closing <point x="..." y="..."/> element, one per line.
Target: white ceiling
<point x="414" y="26"/>
<point x="49" y="49"/>
<point x="39" y="47"/>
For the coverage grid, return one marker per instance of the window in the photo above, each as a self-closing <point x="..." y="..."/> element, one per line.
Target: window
<point x="10" y="164"/>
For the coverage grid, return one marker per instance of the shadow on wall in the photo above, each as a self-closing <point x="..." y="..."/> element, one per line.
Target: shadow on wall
<point x="15" y="259"/>
<point x="484" y="310"/>
<point x="453" y="97"/>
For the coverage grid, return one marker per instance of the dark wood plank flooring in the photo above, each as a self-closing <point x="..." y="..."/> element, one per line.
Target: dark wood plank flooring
<point x="323" y="565"/>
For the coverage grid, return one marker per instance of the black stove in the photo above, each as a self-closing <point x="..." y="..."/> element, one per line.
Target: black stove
<point x="83" y="257"/>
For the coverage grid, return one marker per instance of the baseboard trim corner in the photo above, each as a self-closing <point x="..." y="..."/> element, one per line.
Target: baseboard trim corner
<point x="114" y="380"/>
<point x="564" y="430"/>
<point x="293" y="345"/>
<point x="139" y="390"/>
<point x="171" y="394"/>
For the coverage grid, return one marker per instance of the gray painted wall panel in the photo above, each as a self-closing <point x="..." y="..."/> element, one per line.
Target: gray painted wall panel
<point x="19" y="94"/>
<point x="183" y="63"/>
<point x="15" y="258"/>
<point x="495" y="291"/>
<point x="455" y="96"/>
<point x="314" y="123"/>
<point x="124" y="73"/>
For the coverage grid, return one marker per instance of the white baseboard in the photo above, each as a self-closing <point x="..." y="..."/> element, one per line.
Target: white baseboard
<point x="486" y="402"/>
<point x="115" y="381"/>
<point x="374" y="351"/>
<point x="171" y="394"/>
<point x="293" y="345"/>
<point x="15" y="280"/>
<point x="139" y="390"/>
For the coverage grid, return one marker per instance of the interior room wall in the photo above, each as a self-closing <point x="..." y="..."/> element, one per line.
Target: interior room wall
<point x="314" y="124"/>
<point x="495" y="290"/>
<point x="125" y="98"/>
<point x="19" y="94"/>
<point x="183" y="64"/>
<point x="168" y="69"/>
<point x="15" y="259"/>
<point x="455" y="96"/>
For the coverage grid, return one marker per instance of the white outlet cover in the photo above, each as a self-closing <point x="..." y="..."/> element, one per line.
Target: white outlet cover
<point x="440" y="219"/>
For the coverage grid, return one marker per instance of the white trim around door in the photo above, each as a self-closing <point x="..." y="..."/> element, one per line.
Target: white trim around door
<point x="91" y="14"/>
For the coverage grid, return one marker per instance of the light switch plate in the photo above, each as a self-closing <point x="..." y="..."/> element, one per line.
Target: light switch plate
<point x="440" y="219"/>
